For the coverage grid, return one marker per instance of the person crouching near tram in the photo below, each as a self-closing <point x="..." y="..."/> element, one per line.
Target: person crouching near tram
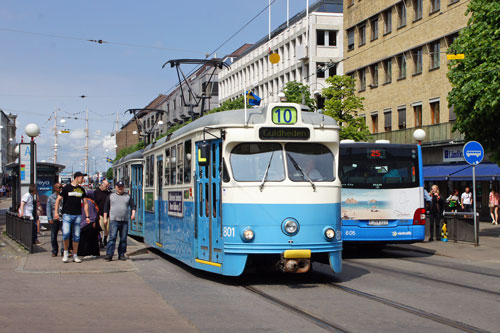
<point x="117" y="206"/>
<point x="73" y="196"/>
<point x="437" y="208"/>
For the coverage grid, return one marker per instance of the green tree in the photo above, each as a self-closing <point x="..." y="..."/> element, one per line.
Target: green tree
<point x="109" y="174"/>
<point x="343" y="105"/>
<point x="297" y="92"/>
<point x="475" y="80"/>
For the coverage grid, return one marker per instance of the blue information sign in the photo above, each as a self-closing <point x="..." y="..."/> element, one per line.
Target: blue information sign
<point x="473" y="152"/>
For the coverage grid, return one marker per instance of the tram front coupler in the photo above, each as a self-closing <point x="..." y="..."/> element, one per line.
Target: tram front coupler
<point x="295" y="261"/>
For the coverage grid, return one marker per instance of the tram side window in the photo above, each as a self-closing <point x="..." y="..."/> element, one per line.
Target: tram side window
<point x="187" y="161"/>
<point x="249" y="162"/>
<point x="180" y="163"/>
<point x="173" y="161"/>
<point x="312" y="159"/>
<point x="151" y="171"/>
<point x="148" y="167"/>
<point x="167" y="166"/>
<point x="159" y="164"/>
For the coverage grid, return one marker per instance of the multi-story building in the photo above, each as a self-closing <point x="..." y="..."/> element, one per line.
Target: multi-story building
<point x="310" y="47"/>
<point x="7" y="142"/>
<point x="396" y="50"/>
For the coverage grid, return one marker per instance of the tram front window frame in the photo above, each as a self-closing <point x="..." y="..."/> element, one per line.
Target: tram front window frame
<point x="250" y="160"/>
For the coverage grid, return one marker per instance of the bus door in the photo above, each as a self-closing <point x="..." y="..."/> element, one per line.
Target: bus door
<point x="136" y="224"/>
<point x="159" y="201"/>
<point x="208" y="187"/>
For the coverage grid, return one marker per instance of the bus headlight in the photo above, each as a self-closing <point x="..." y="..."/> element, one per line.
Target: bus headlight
<point x="247" y="234"/>
<point x="290" y="226"/>
<point x="329" y="233"/>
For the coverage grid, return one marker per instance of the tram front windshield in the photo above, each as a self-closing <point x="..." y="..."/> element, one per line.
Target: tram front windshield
<point x="256" y="162"/>
<point x="378" y="167"/>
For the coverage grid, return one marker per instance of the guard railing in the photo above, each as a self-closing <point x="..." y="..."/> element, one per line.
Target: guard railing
<point x="20" y="229"/>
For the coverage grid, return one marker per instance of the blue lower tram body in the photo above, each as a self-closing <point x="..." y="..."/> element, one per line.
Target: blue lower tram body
<point x="175" y="236"/>
<point x="396" y="231"/>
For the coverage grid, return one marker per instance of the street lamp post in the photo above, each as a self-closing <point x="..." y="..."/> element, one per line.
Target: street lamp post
<point x="32" y="130"/>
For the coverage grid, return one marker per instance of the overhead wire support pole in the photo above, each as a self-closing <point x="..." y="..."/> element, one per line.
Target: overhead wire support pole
<point x="55" y="137"/>
<point x="86" y="140"/>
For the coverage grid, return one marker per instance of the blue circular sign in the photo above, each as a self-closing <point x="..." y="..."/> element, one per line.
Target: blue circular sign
<point x="473" y="152"/>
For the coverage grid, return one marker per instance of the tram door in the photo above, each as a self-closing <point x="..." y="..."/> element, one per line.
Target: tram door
<point x="136" y="224"/>
<point x="159" y="184"/>
<point x="208" y="187"/>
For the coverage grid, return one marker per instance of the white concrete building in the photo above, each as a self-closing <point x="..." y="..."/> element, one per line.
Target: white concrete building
<point x="308" y="43"/>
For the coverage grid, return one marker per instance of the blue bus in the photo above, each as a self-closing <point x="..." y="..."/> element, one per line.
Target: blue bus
<point x="382" y="192"/>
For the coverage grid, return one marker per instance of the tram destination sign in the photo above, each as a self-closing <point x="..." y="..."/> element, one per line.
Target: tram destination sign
<point x="284" y="133"/>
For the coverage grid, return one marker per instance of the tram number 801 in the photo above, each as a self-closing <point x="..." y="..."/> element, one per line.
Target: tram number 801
<point x="228" y="232"/>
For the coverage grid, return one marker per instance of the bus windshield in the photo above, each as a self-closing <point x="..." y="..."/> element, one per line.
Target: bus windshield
<point x="378" y="167"/>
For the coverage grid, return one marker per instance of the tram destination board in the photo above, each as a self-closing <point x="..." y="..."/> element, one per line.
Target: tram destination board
<point x="284" y="133"/>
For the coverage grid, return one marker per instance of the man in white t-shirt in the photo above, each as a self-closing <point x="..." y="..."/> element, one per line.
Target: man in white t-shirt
<point x="466" y="200"/>
<point x="26" y="210"/>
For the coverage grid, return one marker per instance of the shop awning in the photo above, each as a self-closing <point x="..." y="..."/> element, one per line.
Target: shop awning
<point x="443" y="172"/>
<point x="484" y="171"/>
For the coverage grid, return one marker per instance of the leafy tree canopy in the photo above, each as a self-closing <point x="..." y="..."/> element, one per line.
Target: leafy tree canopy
<point x="343" y="105"/>
<point x="475" y="80"/>
<point x="297" y="92"/>
<point x="109" y="174"/>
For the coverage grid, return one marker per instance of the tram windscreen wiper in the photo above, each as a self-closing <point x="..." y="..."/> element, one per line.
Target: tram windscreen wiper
<point x="267" y="171"/>
<point x="298" y="168"/>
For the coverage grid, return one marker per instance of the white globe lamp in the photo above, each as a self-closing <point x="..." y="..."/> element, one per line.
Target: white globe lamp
<point x="419" y="135"/>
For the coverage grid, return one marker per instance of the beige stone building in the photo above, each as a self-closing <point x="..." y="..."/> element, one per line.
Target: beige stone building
<point x="396" y="50"/>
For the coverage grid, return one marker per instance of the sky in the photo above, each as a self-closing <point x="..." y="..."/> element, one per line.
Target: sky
<point x="47" y="62"/>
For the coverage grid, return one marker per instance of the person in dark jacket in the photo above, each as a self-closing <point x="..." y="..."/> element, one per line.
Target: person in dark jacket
<point x="117" y="207"/>
<point x="100" y="197"/>
<point x="436" y="211"/>
<point x="89" y="233"/>
<point x="55" y="225"/>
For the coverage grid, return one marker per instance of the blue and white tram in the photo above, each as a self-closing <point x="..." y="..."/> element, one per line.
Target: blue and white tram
<point x="382" y="192"/>
<point x="229" y="190"/>
<point x="129" y="169"/>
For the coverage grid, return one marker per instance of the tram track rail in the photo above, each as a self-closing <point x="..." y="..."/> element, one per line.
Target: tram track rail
<point x="323" y="323"/>
<point x="419" y="276"/>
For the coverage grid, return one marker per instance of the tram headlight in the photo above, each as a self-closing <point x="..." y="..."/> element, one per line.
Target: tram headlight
<point x="290" y="226"/>
<point x="329" y="233"/>
<point x="247" y="234"/>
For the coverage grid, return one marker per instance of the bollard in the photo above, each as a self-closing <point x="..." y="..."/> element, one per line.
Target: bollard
<point x="444" y="233"/>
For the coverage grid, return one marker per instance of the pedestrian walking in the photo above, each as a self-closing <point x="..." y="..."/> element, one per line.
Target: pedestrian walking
<point x="436" y="211"/>
<point x="453" y="200"/>
<point x="55" y="225"/>
<point x="26" y="210"/>
<point x="73" y="196"/>
<point x="466" y="200"/>
<point x="89" y="232"/>
<point x="100" y="196"/>
<point x="117" y="207"/>
<point x="493" y="205"/>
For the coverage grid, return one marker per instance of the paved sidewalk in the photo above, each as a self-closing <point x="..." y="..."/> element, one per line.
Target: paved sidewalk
<point x="41" y="293"/>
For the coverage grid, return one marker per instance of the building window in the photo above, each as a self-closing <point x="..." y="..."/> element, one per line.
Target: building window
<point x="322" y="69"/>
<point x="350" y="39"/>
<point x="326" y="37"/>
<point x="435" y="5"/>
<point x="388" y="21"/>
<point x="417" y="112"/>
<point x="401" y="14"/>
<point x="452" y="116"/>
<point x="374" y="27"/>
<point x="362" y="34"/>
<point x="435" y="55"/>
<point x="434" y="111"/>
<point x="374" y="72"/>
<point x="375" y="122"/>
<point x="417" y="61"/>
<point x="362" y="78"/>
<point x="402" y="117"/>
<point x="387" y="120"/>
<point x="417" y="10"/>
<point x="388" y="70"/>
<point x="402" y="66"/>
